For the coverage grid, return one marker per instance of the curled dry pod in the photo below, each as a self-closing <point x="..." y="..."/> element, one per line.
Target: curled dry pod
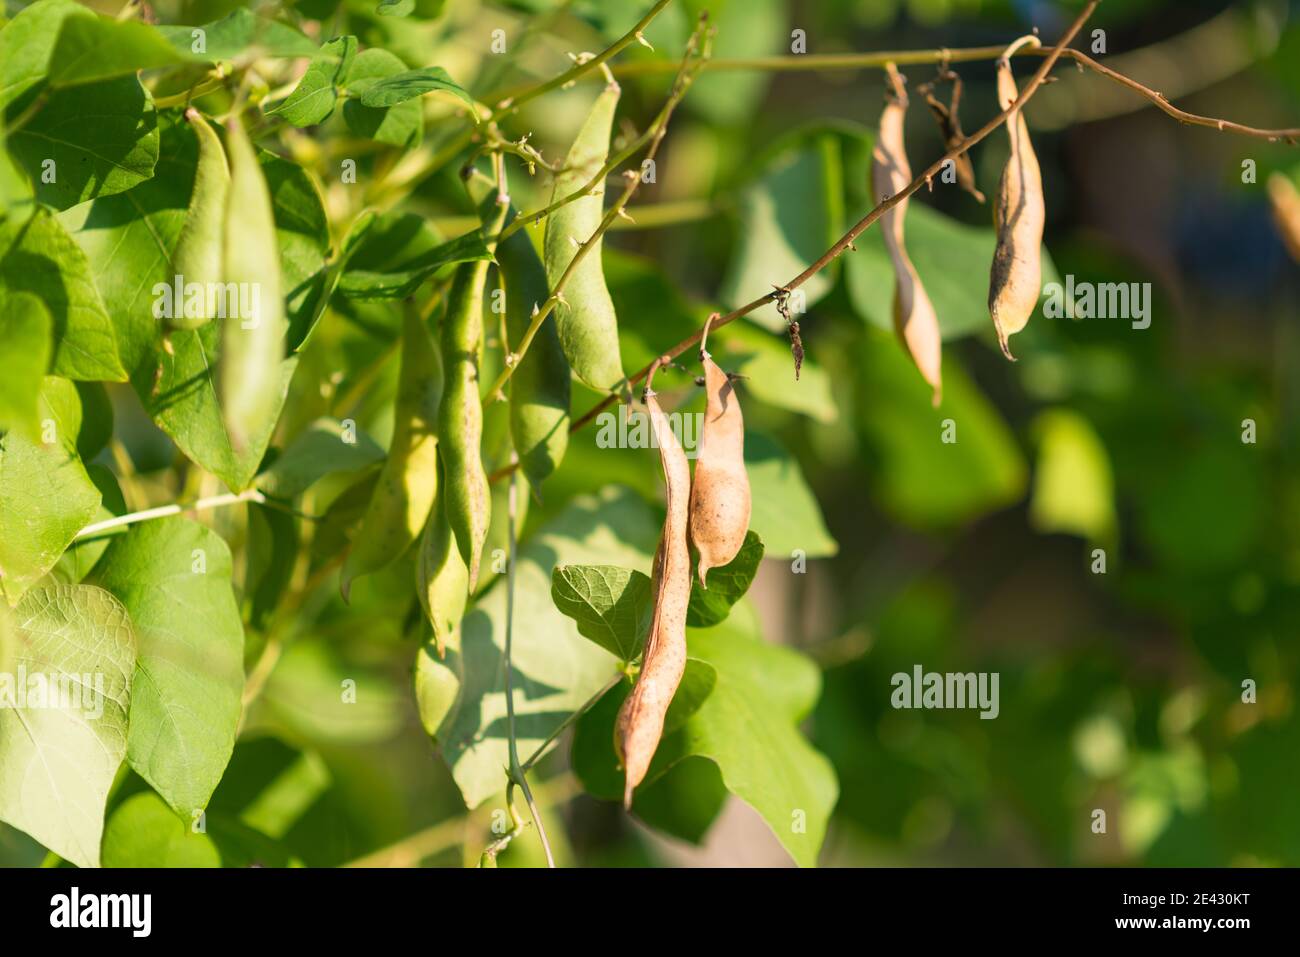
<point x="915" y="320"/>
<point x="720" y="498"/>
<point x="1015" y="279"/>
<point x="539" y="387"/>
<point x="408" y="483"/>
<point x="460" y="420"/>
<point x="585" y="320"/>
<point x="251" y="381"/>
<point x="641" y="719"/>
<point x="950" y="129"/>
<point x="442" y="579"/>
<point x="198" y="254"/>
<point x="1285" y="200"/>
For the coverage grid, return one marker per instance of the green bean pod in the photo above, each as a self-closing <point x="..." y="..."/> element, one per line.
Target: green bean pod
<point x="460" y="423"/>
<point x="251" y="382"/>
<point x="408" y="483"/>
<point x="198" y="255"/>
<point x="539" y="386"/>
<point x="585" y="320"/>
<point x="442" y="579"/>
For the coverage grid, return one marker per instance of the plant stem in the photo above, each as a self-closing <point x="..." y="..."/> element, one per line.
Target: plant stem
<point x="697" y="53"/>
<point x="518" y="775"/>
<point x="215" y="501"/>
<point x="573" y="716"/>
<point x="846" y="241"/>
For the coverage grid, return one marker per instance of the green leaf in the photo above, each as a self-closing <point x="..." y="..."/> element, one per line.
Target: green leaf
<point x="1073" y="486"/>
<point x="101" y="138"/>
<point x="747" y="725"/>
<point x="92" y="49"/>
<point x="314" y="98"/>
<point x="402" y="280"/>
<point x="789" y="216"/>
<point x="46" y="497"/>
<point x="400" y="125"/>
<point x="27" y="42"/>
<point x="913" y="464"/>
<point x="270" y="556"/>
<point x="80" y="557"/>
<point x="173" y="576"/>
<point x="727" y="585"/>
<point x="38" y="257"/>
<point x="785" y="514"/>
<point x="745" y="28"/>
<point x="611" y="605"/>
<point x="145" y="832"/>
<point x="409" y="84"/>
<point x="323" y="448"/>
<point x="764" y="360"/>
<point x="556" y="670"/>
<point x="240" y="32"/>
<point x="395" y="8"/>
<point x="58" y="760"/>
<point x="25" y="330"/>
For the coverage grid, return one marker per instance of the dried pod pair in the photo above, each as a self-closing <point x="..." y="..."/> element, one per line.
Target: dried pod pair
<point x="714" y="511"/>
<point x="915" y="320"/>
<point x="641" y="718"/>
<point x="1019" y="213"/>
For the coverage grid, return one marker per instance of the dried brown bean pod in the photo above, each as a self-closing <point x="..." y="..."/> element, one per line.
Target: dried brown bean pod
<point x="915" y="320"/>
<point x="720" y="498"/>
<point x="1015" y="279"/>
<point x="1285" y="200"/>
<point x="641" y="719"/>
<point x="950" y="129"/>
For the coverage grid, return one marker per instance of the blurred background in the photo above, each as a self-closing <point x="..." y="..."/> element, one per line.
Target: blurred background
<point x="1121" y="683"/>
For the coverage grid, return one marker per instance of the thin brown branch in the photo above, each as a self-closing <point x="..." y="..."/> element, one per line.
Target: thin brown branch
<point x="846" y="241"/>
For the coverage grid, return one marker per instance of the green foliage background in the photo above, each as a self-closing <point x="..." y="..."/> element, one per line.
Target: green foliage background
<point x="881" y="546"/>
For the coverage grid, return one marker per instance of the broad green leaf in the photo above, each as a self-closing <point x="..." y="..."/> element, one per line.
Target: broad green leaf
<point x="400" y="87"/>
<point x="727" y="585"/>
<point x="745" y="28"/>
<point x="80" y="557"/>
<point x="27" y="42"/>
<point x="314" y="98"/>
<point x="173" y="576"/>
<point x="395" y="8"/>
<point x="92" y="49"/>
<point x="46" y="497"/>
<point x="144" y="832"/>
<point x="25" y="330"/>
<point x="919" y="449"/>
<point x="38" y="257"/>
<point x="556" y="670"/>
<point x="404" y="278"/>
<point x="400" y="125"/>
<point x="1073" y="488"/>
<point x="747" y="725"/>
<point x="785" y="516"/>
<point x="325" y="447"/>
<point x="58" y="758"/>
<point x="611" y="605"/>
<point x="240" y="32"/>
<point x="102" y="139"/>
<point x="789" y="216"/>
